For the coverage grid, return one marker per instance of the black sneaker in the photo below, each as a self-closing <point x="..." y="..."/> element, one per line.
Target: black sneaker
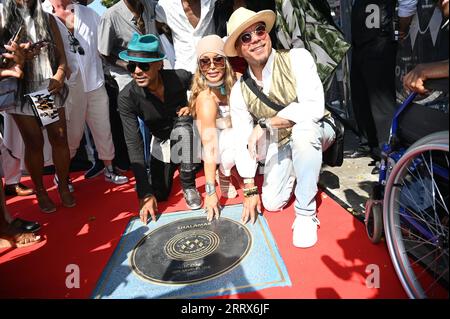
<point x="192" y="198"/>
<point x="95" y="170"/>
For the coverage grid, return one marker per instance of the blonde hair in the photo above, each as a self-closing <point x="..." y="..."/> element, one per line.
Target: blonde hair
<point x="199" y="85"/>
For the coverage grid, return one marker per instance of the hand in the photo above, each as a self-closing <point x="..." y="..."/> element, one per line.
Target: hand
<point x="148" y="205"/>
<point x="16" y="52"/>
<point x="34" y="50"/>
<point x="257" y="133"/>
<point x="14" y="71"/>
<point x="55" y="85"/>
<point x="414" y="80"/>
<point x="212" y="206"/>
<point x="252" y="205"/>
<point x="184" y="111"/>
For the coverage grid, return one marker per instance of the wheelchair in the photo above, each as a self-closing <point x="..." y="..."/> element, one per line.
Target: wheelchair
<point x="410" y="202"/>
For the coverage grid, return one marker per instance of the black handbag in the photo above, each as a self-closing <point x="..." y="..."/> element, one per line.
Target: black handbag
<point x="334" y="155"/>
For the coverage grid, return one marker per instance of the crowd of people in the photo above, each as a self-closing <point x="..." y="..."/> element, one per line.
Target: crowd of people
<point x="247" y="77"/>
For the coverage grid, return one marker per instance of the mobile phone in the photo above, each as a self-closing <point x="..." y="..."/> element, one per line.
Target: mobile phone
<point x="41" y="44"/>
<point x="7" y="63"/>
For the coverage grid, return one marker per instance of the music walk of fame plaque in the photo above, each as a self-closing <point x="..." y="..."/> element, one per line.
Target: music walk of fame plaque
<point x="191" y="250"/>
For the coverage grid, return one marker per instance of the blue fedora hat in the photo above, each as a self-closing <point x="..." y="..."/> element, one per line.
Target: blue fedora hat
<point x="142" y="48"/>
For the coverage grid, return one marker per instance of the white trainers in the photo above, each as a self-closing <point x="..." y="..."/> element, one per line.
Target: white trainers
<point x="69" y="183"/>
<point x="111" y="176"/>
<point x="305" y="231"/>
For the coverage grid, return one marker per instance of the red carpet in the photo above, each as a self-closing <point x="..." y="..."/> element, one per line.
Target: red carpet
<point x="87" y="235"/>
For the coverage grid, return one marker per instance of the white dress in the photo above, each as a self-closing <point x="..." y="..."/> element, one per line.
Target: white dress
<point x="227" y="141"/>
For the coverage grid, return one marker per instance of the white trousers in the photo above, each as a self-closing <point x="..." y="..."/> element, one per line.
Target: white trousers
<point x="91" y="108"/>
<point x="300" y="160"/>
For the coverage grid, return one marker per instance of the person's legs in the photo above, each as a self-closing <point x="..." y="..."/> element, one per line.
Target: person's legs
<point x="57" y="135"/>
<point x="279" y="177"/>
<point x="161" y="178"/>
<point x="18" y="237"/>
<point x="11" y="164"/>
<point x="75" y="110"/>
<point x="361" y="103"/>
<point x="34" y="158"/>
<point x="121" y="159"/>
<point x="227" y="160"/>
<point x="379" y="73"/>
<point x="308" y="142"/>
<point x="182" y="148"/>
<point x="97" y="118"/>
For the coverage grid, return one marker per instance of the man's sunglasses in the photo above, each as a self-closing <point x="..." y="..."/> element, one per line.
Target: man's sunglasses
<point x="206" y="63"/>
<point x="75" y="45"/>
<point x="131" y="66"/>
<point x="260" y="31"/>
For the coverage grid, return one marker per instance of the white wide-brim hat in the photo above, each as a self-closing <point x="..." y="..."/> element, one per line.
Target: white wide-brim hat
<point x="240" y="20"/>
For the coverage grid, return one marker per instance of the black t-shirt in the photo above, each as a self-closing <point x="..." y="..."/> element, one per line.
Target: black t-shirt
<point x="368" y="25"/>
<point x="159" y="117"/>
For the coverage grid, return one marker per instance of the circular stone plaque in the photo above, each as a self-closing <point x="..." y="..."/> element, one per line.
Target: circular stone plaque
<point x="191" y="250"/>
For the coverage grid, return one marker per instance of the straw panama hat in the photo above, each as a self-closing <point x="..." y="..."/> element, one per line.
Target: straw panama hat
<point x="240" y="20"/>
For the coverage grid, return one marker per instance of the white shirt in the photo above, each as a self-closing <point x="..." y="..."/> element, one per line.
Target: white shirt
<point x="310" y="105"/>
<point x="185" y="36"/>
<point x="86" y="22"/>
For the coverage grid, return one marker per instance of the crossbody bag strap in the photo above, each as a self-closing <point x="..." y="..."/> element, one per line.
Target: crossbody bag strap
<point x="247" y="79"/>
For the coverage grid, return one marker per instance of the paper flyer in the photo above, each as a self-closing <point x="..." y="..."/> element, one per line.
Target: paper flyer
<point x="44" y="106"/>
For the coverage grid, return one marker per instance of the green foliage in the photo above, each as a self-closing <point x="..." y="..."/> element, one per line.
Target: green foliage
<point x="108" y="3"/>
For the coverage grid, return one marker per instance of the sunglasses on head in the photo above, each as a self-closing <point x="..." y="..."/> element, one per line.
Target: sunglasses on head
<point x="259" y="31"/>
<point x="206" y="63"/>
<point x="131" y="66"/>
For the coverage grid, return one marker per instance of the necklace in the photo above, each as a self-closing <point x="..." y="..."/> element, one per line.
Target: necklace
<point x="219" y="85"/>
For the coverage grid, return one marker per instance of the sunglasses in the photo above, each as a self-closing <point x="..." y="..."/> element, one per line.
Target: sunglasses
<point x="206" y="63"/>
<point x="260" y="31"/>
<point x="131" y="66"/>
<point x="75" y="46"/>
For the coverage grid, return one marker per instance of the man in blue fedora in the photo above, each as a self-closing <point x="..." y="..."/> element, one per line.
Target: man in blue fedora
<point x="158" y="97"/>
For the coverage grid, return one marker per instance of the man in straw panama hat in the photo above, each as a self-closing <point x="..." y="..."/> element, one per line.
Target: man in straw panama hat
<point x="282" y="92"/>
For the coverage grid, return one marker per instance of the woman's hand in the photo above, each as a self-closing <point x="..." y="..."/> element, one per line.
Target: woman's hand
<point x="55" y="85"/>
<point x="16" y="54"/>
<point x="184" y="111"/>
<point x="212" y="207"/>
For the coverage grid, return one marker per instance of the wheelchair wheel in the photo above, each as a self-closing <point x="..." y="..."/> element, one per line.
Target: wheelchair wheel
<point x="374" y="220"/>
<point x="416" y="217"/>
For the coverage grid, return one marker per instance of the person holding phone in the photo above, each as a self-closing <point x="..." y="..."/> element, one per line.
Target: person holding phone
<point x="46" y="70"/>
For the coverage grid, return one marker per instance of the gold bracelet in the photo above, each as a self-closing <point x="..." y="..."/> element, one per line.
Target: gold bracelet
<point x="252" y="191"/>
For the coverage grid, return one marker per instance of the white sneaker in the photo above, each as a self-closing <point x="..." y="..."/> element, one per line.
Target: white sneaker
<point x="305" y="231"/>
<point x="112" y="177"/>
<point x="69" y="183"/>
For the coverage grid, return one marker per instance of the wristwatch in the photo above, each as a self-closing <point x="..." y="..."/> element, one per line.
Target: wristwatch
<point x="262" y="122"/>
<point x="210" y="188"/>
<point x="265" y="124"/>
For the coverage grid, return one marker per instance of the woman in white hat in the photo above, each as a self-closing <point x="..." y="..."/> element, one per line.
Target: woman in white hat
<point x="209" y="104"/>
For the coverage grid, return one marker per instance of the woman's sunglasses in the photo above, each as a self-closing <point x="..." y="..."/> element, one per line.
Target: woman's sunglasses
<point x="260" y="31"/>
<point x="206" y="63"/>
<point x="131" y="66"/>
